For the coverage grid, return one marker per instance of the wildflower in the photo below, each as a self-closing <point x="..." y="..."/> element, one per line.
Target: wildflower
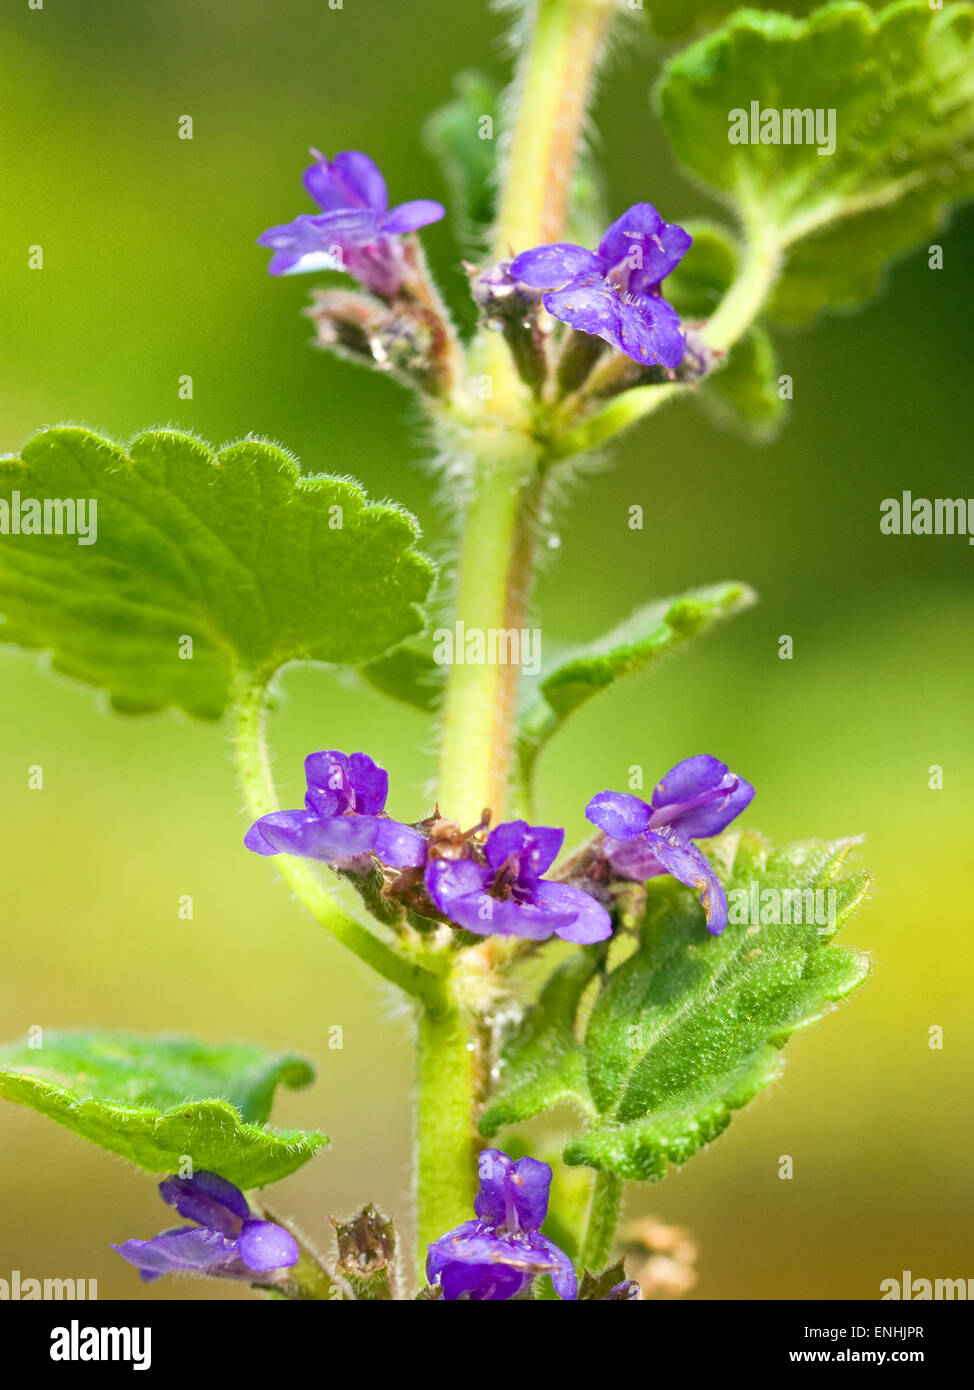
<point x="496" y="1256"/>
<point x="614" y="292"/>
<point x="697" y="798"/>
<point x="356" y="231"/>
<point x="226" y="1240"/>
<point x="341" y="821"/>
<point x="507" y="895"/>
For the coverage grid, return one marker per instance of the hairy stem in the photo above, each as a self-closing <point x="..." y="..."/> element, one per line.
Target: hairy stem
<point x="253" y="765"/>
<point x="445" y="1169"/>
<point x="603" y="1216"/>
<point x="552" y="92"/>
<point x="493" y="587"/>
<point x="504" y="459"/>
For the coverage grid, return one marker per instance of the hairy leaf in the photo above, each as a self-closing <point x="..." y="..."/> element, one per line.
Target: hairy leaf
<point x="204" y="565"/>
<point x="689" y="1028"/>
<point x="899" y="85"/>
<point x="409" y="674"/>
<point x="159" y="1100"/>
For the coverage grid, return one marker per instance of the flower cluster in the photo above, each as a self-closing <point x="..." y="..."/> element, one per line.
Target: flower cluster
<point x="496" y="1256"/>
<point x="226" y="1240"/>
<point x="497" y="885"/>
<point x="612" y="293"/>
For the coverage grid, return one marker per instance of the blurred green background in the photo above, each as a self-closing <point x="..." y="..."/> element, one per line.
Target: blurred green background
<point x="150" y="272"/>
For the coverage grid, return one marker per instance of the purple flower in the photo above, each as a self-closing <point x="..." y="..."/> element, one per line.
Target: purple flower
<point x="226" y="1240"/>
<point x="356" y="230"/>
<point x="497" y="1256"/>
<point x="507" y="896"/>
<point x="614" y="292"/>
<point x="696" y="799"/>
<point x="340" y="822"/>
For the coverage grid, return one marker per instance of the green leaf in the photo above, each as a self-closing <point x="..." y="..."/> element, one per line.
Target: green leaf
<point x="690" y="1026"/>
<point x="456" y="135"/>
<point x="706" y="273"/>
<point x="744" y="393"/>
<point x="543" y="1063"/>
<point x="158" y="1100"/>
<point x="674" y="18"/>
<point x="409" y="674"/>
<point x="234" y="550"/>
<point x="901" y="86"/>
<point x="637" y="644"/>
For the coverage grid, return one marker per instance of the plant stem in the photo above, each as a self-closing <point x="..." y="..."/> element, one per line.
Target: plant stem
<point x="445" y="1168"/>
<point x="493" y="586"/>
<point x="743" y="301"/>
<point x="552" y="90"/>
<point x="253" y="765"/>
<point x="503" y="506"/>
<point x="603" y="1214"/>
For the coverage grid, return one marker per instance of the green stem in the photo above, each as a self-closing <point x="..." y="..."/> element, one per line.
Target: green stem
<point x="445" y="1168"/>
<point x="603" y="1216"/>
<point x="552" y="92"/>
<point x="503" y="506"/>
<point x="253" y="765"/>
<point x="493" y="586"/>
<point x="743" y="301"/>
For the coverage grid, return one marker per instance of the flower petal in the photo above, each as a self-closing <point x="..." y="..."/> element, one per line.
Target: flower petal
<point x="331" y="838"/>
<point x="264" y="1245"/>
<point x="208" y="1200"/>
<point x="649" y="332"/>
<point x="619" y="814"/>
<point x="369" y="784"/>
<point x="350" y="180"/>
<point x="563" y="1272"/>
<point x="329" y="784"/>
<point x="448" y="880"/>
<point x="535" y="847"/>
<point x="189" y="1248"/>
<point x="409" y="217"/>
<point x="401" y="846"/>
<point x="494" y="1169"/>
<point x="283" y="821"/>
<point x="700" y="797"/>
<point x="632" y="859"/>
<point x="590" y="923"/>
<point x="684" y="861"/>
<point x="551" y="267"/>
<point x="589" y="304"/>
<point x="529" y="1183"/>
<point x="651" y="247"/>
